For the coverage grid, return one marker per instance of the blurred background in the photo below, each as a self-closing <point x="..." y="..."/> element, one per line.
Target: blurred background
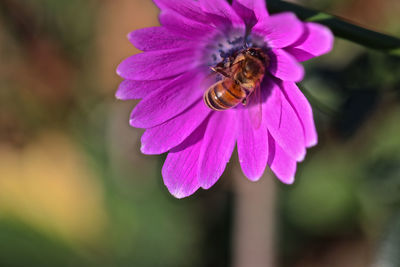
<point x="76" y="191"/>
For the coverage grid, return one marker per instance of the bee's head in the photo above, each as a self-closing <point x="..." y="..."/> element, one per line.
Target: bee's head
<point x="256" y="52"/>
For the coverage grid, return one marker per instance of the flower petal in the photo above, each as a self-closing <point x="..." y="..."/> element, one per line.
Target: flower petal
<point x="280" y="30"/>
<point x="285" y="67"/>
<point x="163" y="137"/>
<point x="169" y="101"/>
<point x="280" y="162"/>
<point x="218" y="144"/>
<point x="155" y="65"/>
<point x="283" y="123"/>
<point x="220" y="13"/>
<point x="316" y="41"/>
<point x="186" y="8"/>
<point x="251" y="11"/>
<point x="303" y="110"/>
<point x="252" y="146"/>
<point x="129" y="89"/>
<point x="185" y="27"/>
<point x="180" y="170"/>
<point x="157" y="38"/>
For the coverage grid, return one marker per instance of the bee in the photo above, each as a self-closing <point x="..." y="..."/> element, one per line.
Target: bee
<point x="242" y="74"/>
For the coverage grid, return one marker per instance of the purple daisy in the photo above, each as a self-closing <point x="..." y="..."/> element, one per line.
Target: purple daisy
<point x="177" y="68"/>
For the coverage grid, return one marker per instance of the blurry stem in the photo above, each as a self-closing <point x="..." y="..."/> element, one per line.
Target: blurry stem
<point x="254" y="221"/>
<point x="340" y="27"/>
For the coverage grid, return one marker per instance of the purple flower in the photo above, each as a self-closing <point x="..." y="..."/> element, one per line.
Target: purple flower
<point x="174" y="72"/>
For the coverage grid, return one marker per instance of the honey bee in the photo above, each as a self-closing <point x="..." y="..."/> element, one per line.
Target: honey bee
<point x="242" y="75"/>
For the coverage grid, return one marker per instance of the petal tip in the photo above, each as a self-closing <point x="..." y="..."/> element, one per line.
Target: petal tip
<point x="207" y="183"/>
<point x="289" y="181"/>
<point x="178" y="190"/>
<point x="130" y="35"/>
<point x="134" y="123"/>
<point x="206" y="186"/>
<point x="119" y="95"/>
<point x="118" y="71"/>
<point x="301" y="155"/>
<point x="312" y="142"/>
<point x="143" y="148"/>
<point x="150" y="150"/>
<point x="254" y="177"/>
<point x="178" y="193"/>
<point x="134" y="38"/>
<point x="328" y="37"/>
<point x="300" y="74"/>
<point x="286" y="178"/>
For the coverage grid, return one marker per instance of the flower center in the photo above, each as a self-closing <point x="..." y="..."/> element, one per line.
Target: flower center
<point x="224" y="46"/>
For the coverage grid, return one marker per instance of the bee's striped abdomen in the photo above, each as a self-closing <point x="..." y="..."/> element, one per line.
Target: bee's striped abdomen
<point x="224" y="95"/>
<point x="242" y="73"/>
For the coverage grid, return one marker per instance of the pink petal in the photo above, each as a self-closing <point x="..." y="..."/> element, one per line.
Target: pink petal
<point x="316" y="41"/>
<point x="185" y="27"/>
<point x="130" y="89"/>
<point x="155" y="65"/>
<point x="220" y="13"/>
<point x="303" y="110"/>
<point x="169" y="101"/>
<point x="157" y="38"/>
<point x="163" y="137"/>
<point x="285" y="67"/>
<point x="281" y="163"/>
<point x="252" y="146"/>
<point x="186" y="8"/>
<point x="218" y="144"/>
<point x="283" y="123"/>
<point x="180" y="170"/>
<point x="251" y="11"/>
<point x="280" y="30"/>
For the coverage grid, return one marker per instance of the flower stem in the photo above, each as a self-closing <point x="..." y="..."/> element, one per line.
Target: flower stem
<point x="340" y="27"/>
<point x="254" y="221"/>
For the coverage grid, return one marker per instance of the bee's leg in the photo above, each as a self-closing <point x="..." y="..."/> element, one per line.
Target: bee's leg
<point x="248" y="94"/>
<point x="220" y="70"/>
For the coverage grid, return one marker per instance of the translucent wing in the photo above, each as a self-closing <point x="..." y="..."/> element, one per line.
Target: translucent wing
<point x="254" y="107"/>
<point x="209" y="80"/>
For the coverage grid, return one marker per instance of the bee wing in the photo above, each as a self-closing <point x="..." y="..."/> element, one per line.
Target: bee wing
<point x="254" y="107"/>
<point x="209" y="80"/>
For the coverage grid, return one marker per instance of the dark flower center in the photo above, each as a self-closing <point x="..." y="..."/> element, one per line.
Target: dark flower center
<point x="225" y="46"/>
